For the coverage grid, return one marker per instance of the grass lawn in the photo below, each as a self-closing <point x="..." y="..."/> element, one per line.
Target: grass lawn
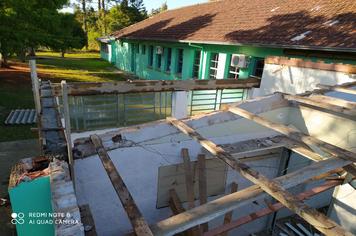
<point x="15" y="83"/>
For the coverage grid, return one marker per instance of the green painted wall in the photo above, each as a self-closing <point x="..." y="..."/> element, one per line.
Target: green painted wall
<point x="33" y="197"/>
<point x="126" y="57"/>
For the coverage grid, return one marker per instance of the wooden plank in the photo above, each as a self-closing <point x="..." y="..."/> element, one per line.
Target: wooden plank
<point x="319" y="103"/>
<point x="189" y="182"/>
<point x="138" y="223"/>
<point x="133" y="86"/>
<point x="333" y="100"/>
<point x="177" y="208"/>
<point x="296" y="62"/>
<point x="222" y="230"/>
<point x="228" y="216"/>
<point x="67" y="122"/>
<point x="222" y="205"/>
<point x="203" y="196"/>
<point x="273" y="188"/>
<point x="338" y="89"/>
<point x="296" y="135"/>
<point x="175" y="203"/>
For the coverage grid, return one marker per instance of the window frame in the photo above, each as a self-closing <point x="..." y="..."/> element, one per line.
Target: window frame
<point x="180" y="59"/>
<point x="196" y="66"/>
<point x="257" y="60"/>
<point x="211" y="68"/>
<point x="168" y="64"/>
<point x="150" y="55"/>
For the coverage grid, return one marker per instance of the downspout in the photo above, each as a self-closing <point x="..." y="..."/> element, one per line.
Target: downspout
<point x="201" y="56"/>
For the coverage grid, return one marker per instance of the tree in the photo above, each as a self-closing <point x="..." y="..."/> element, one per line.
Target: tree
<point x="70" y="34"/>
<point x="164" y="7"/>
<point x="27" y="24"/>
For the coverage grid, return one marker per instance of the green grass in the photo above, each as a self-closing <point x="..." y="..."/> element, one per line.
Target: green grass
<point x="15" y="87"/>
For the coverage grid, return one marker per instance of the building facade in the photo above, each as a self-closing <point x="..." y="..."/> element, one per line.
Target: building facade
<point x="207" y="41"/>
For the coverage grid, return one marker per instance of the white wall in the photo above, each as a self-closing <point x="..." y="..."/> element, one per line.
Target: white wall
<point x="294" y="80"/>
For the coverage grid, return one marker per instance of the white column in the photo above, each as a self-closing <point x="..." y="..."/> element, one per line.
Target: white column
<point x="35" y="87"/>
<point x="221" y="66"/>
<point x="180" y="104"/>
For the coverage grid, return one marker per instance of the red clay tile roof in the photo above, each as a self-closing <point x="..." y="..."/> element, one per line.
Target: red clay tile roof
<point x="325" y="23"/>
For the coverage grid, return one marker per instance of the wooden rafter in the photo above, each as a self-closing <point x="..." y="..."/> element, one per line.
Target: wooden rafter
<point x="138" y="223"/>
<point x="222" y="205"/>
<point x="296" y="135"/>
<point x="175" y="203"/>
<point x="322" y="103"/>
<point x="338" y="88"/>
<point x="136" y="86"/>
<point x="270" y="209"/>
<point x="272" y="187"/>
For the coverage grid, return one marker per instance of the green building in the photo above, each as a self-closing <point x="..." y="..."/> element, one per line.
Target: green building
<point x="232" y="38"/>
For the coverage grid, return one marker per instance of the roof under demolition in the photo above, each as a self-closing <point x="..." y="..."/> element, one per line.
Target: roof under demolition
<point x="246" y="138"/>
<point x="291" y="24"/>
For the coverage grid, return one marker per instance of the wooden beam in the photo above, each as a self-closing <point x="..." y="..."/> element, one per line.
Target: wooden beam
<point x="270" y="209"/>
<point x="228" y="216"/>
<point x="135" y="86"/>
<point x="189" y="182"/>
<point x="177" y="208"/>
<point x="175" y="203"/>
<point x="273" y="188"/>
<point x="333" y="100"/>
<point x="138" y="223"/>
<point x="296" y="135"/>
<point x="203" y="196"/>
<point x="321" y="103"/>
<point x="337" y="88"/>
<point x="224" y="204"/>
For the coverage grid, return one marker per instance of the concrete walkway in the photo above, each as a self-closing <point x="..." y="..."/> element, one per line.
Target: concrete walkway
<point x="10" y="153"/>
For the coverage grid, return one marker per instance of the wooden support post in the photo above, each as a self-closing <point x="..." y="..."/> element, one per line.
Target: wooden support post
<point x="272" y="187"/>
<point x="138" y="223"/>
<point x="203" y="196"/>
<point x="189" y="182"/>
<point x="35" y="87"/>
<point x="270" y="209"/>
<point x="67" y="123"/>
<point x="228" y="216"/>
<point x="222" y="205"/>
<point x="321" y="104"/>
<point x="296" y="135"/>
<point x="338" y="89"/>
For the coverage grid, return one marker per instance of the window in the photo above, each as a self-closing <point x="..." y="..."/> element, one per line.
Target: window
<point x="150" y="56"/>
<point x="233" y="71"/>
<point x="196" y="66"/>
<point x="260" y="63"/>
<point x="158" y="60"/>
<point x="143" y="49"/>
<point x="213" y="69"/>
<point x="137" y="48"/>
<point x="180" y="61"/>
<point x="104" y="48"/>
<point x="169" y="59"/>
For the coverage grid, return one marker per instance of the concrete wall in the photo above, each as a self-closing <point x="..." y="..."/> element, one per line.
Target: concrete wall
<point x="294" y="80"/>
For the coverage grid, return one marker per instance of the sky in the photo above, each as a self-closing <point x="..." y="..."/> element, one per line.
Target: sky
<point x="150" y="4"/>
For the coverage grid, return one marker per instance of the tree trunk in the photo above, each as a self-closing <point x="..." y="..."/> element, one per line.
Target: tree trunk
<point x="3" y="61"/>
<point x="103" y="4"/>
<point x="99" y="5"/>
<point x="84" y="9"/>
<point x="62" y="53"/>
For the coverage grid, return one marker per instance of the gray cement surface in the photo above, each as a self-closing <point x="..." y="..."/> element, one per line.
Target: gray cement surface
<point x="10" y="153"/>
